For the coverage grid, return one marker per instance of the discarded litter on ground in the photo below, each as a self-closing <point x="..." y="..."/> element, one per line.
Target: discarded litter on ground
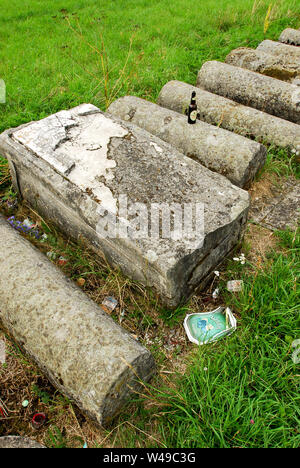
<point x="206" y="327"/>
<point x="109" y="303"/>
<point x="62" y="261"/>
<point x="27" y="226"/>
<point x="2" y="352"/>
<point x="235" y="285"/>
<point x="38" y="420"/>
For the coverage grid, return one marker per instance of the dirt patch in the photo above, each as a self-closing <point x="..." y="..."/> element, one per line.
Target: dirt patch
<point x="261" y="241"/>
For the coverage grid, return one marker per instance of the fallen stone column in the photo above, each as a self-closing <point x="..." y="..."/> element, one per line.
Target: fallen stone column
<point x="286" y="52"/>
<point x="231" y="155"/>
<point x="228" y="114"/>
<point x="251" y="89"/>
<point x="264" y="63"/>
<point x="290" y="36"/>
<point x="83" y="352"/>
<point x="111" y="183"/>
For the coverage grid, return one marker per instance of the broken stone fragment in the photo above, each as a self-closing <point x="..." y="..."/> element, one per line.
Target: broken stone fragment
<point x="284" y="51"/>
<point x="251" y="89"/>
<point x="233" y="156"/>
<point x="128" y="198"/>
<point x="264" y="63"/>
<point x="228" y="114"/>
<point x="290" y="36"/>
<point x="13" y="442"/>
<point x="84" y="353"/>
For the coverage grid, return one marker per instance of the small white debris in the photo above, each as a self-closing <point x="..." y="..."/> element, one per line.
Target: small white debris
<point x="2" y="352"/>
<point x="51" y="255"/>
<point x="215" y="294"/>
<point x="217" y="273"/>
<point x="235" y="285"/>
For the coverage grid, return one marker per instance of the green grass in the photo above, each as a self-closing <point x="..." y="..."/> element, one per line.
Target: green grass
<point x="48" y="67"/>
<point x="244" y="390"/>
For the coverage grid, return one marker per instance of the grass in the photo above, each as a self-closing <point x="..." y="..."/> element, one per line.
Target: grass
<point x="48" y="67"/>
<point x="244" y="392"/>
<point x="240" y="392"/>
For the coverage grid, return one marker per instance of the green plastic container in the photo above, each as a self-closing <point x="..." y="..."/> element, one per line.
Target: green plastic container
<point x="206" y="327"/>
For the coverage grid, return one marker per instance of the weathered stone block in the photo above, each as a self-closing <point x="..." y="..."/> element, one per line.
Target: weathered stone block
<point x="233" y="156"/>
<point x="107" y="181"/>
<point x="264" y="63"/>
<point x="228" y="114"/>
<point x="13" y="442"/>
<point x="252" y="89"/>
<point x="290" y="36"/>
<point x="286" y="52"/>
<point x="84" y="353"/>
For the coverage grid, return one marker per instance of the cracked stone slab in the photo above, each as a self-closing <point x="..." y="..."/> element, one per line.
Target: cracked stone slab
<point x="290" y="36"/>
<point x="111" y="160"/>
<point x="281" y="210"/>
<point x="83" y="352"/>
<point x="231" y="155"/>
<point x="249" y="88"/>
<point x="264" y="63"/>
<point x="223" y="112"/>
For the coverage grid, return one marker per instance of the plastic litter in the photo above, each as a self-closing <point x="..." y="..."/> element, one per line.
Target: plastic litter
<point x="296" y="353"/>
<point x="206" y="327"/>
<point x="235" y="285"/>
<point x="3" y="410"/>
<point x="25" y="403"/>
<point x="38" y="420"/>
<point x="215" y="293"/>
<point x="62" y="261"/>
<point x="26" y="226"/>
<point x="109" y="303"/>
<point x="51" y="255"/>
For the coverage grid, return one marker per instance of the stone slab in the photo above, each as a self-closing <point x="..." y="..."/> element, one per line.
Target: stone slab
<point x="251" y="89"/>
<point x="290" y="36"/>
<point x="116" y="160"/>
<point x="281" y="210"/>
<point x="223" y="112"/>
<point x="83" y="352"/>
<point x="233" y="156"/>
<point x="264" y="63"/>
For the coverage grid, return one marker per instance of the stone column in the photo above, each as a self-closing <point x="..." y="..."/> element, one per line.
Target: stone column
<point x="83" y="352"/>
<point x="264" y="63"/>
<point x="286" y="52"/>
<point x="290" y="36"/>
<point x="228" y="114"/>
<point x="251" y="89"/>
<point x="233" y="156"/>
